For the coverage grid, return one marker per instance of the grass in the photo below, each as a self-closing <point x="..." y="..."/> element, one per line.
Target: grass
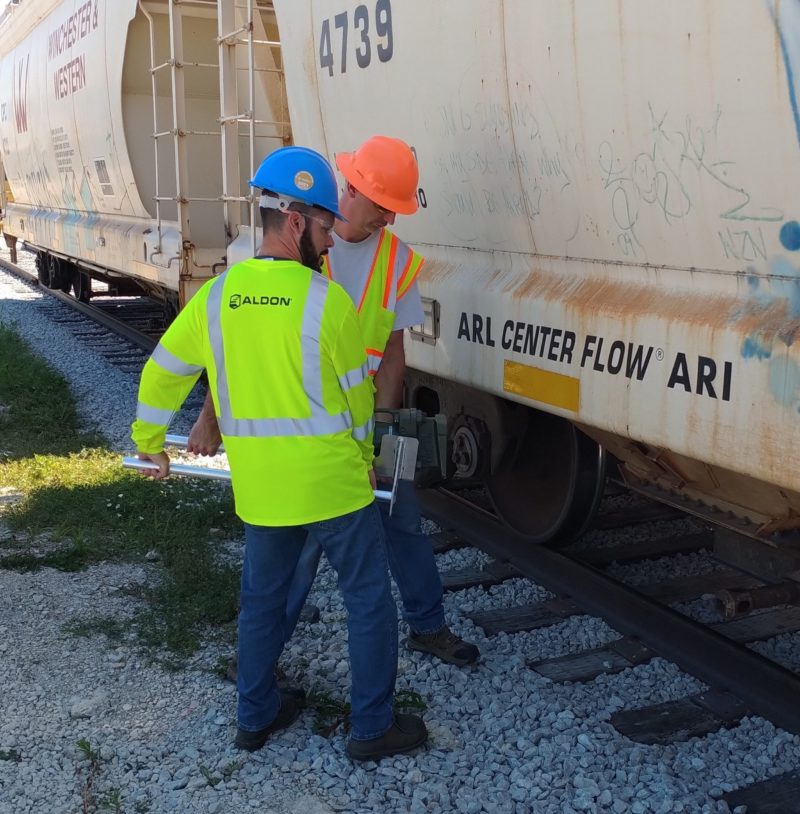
<point x="80" y="507"/>
<point x="113" y="629"/>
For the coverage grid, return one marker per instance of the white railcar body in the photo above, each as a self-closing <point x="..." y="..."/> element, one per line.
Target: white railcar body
<point x="610" y="211"/>
<point x="116" y="166"/>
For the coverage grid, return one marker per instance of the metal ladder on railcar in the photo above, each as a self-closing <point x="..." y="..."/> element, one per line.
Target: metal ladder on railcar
<point x="238" y="22"/>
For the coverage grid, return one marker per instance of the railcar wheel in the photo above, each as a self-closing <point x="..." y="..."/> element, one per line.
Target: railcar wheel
<point x="43" y="269"/>
<point x="549" y="481"/>
<point x="81" y="285"/>
<point x="60" y="277"/>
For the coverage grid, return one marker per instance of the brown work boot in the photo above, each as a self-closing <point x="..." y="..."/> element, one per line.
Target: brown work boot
<point x="406" y="733"/>
<point x="444" y="644"/>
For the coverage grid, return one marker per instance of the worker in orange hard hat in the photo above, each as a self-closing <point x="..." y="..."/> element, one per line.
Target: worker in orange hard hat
<point x="385" y="171"/>
<point x="379" y="272"/>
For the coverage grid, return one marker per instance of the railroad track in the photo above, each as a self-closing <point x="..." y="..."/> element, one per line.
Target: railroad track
<point x="124" y="331"/>
<point x="741" y="681"/>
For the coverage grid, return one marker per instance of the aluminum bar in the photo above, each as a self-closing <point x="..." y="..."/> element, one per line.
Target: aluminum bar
<point x="206" y="472"/>
<point x="185" y="470"/>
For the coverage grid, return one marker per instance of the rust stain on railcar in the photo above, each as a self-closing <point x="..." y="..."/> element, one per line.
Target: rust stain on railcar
<point x="684" y="303"/>
<point x="616" y="298"/>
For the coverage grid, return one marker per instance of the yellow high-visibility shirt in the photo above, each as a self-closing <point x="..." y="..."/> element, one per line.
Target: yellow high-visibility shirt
<point x="288" y="374"/>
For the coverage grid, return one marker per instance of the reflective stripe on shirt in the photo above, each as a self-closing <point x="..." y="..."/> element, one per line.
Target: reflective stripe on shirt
<point x="354" y="377"/>
<point x="374" y="359"/>
<point x="170" y="362"/>
<point x="321" y="422"/>
<point x="362" y="433"/>
<point x="153" y="415"/>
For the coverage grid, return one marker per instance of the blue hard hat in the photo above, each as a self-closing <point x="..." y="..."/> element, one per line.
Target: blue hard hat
<point x="299" y="174"/>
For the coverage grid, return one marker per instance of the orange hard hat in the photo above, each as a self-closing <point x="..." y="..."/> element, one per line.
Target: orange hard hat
<point x="385" y="170"/>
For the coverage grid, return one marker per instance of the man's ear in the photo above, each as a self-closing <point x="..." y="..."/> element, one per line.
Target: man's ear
<point x="297" y="222"/>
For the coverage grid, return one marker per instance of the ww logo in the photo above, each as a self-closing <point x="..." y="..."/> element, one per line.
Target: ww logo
<point x="19" y="93"/>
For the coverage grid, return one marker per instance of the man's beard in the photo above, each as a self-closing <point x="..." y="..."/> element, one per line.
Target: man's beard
<point x="309" y="256"/>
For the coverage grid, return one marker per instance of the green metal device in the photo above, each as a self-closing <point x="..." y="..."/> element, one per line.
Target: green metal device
<point x="430" y="431"/>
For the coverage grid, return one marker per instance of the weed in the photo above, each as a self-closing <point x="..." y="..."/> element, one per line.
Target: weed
<point x="93" y="756"/>
<point x="10" y="754"/>
<point x="409" y="701"/>
<point x="330" y="712"/>
<point x="211" y="779"/>
<point x="112" y="801"/>
<point x="41" y="418"/>
<point x="220" y="669"/>
<point x="108" y="626"/>
<point x="229" y="768"/>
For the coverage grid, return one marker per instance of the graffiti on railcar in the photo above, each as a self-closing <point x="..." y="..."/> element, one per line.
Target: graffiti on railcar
<point x="19" y="92"/>
<point x="668" y="175"/>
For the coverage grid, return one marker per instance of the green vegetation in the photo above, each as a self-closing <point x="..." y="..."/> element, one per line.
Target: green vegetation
<point x="80" y="507"/>
<point x="330" y="712"/>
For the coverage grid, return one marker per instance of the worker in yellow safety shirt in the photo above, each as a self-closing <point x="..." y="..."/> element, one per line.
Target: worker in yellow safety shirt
<point x="288" y="375"/>
<point x="379" y="272"/>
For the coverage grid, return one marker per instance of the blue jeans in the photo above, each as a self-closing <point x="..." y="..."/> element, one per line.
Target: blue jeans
<point x="411" y="562"/>
<point x="354" y="546"/>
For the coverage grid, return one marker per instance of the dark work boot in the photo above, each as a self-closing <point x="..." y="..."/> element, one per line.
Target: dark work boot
<point x="444" y="644"/>
<point x="287" y="714"/>
<point x="406" y="733"/>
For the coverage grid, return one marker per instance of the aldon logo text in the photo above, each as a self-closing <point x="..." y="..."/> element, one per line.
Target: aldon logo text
<point x="238" y="300"/>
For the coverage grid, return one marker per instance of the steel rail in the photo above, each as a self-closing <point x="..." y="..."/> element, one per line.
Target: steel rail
<point x="765" y="687"/>
<point x="137" y="338"/>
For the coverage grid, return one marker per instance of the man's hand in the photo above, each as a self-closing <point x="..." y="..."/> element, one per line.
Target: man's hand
<point x="205" y="438"/>
<point x="373" y="480"/>
<point x="160" y="458"/>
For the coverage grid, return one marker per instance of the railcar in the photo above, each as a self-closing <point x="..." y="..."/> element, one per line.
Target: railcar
<point x="608" y="206"/>
<point x="128" y="130"/>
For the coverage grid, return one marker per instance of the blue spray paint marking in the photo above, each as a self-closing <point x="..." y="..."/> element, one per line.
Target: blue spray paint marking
<point x="754" y="348"/>
<point x="789" y="28"/>
<point x="91" y="215"/>
<point x="790" y="235"/>
<point x="783" y="287"/>
<point x="70" y="223"/>
<point x="784" y="382"/>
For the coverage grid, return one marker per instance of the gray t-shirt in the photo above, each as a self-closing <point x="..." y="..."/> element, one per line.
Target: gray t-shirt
<point x="350" y="264"/>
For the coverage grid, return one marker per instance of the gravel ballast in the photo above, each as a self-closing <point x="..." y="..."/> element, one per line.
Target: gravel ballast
<point x="503" y="739"/>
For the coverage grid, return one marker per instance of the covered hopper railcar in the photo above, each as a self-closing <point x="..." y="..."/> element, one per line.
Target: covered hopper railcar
<point x="609" y="209"/>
